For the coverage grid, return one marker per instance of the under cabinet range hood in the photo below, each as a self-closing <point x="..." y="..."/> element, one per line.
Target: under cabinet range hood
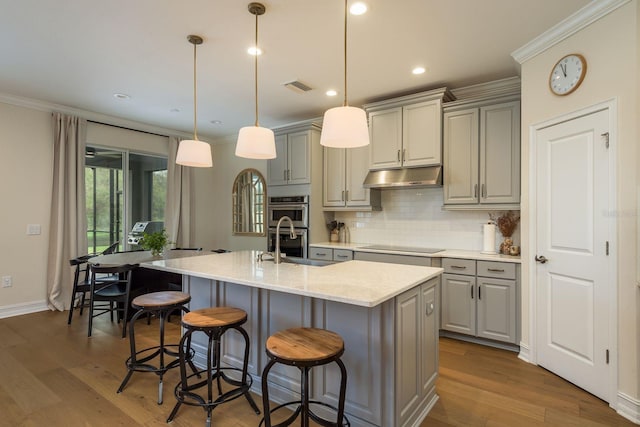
<point x="430" y="176"/>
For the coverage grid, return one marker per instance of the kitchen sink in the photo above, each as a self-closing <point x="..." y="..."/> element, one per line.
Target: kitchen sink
<point x="306" y="261"/>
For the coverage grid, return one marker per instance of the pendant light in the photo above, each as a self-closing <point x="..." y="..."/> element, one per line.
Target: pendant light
<point x="192" y="152"/>
<point x="255" y="142"/>
<point x="345" y="127"/>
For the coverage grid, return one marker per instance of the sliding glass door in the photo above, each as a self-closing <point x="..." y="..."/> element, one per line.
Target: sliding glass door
<point x="115" y="201"/>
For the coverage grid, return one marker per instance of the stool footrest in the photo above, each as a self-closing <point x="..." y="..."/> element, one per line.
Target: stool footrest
<point x="316" y="418"/>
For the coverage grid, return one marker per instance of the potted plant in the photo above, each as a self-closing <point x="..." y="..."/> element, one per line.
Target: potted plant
<point x="155" y="242"/>
<point x="506" y="223"/>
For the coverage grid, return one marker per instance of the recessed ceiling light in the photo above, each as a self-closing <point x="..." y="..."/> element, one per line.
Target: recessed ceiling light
<point x="331" y="92"/>
<point x="254" y="51"/>
<point x="418" y="70"/>
<point x="121" y="96"/>
<point x="358" y="8"/>
<point x="216" y="122"/>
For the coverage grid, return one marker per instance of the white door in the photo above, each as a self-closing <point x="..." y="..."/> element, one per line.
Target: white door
<point x="573" y="291"/>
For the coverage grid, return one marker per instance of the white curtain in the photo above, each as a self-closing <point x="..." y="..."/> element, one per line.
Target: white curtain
<point x="178" y="209"/>
<point x="68" y="229"/>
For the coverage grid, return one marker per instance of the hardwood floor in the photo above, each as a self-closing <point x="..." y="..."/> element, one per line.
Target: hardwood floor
<point x="52" y="374"/>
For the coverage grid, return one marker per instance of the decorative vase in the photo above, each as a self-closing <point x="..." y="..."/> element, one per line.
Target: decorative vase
<point x="157" y="252"/>
<point x="505" y="246"/>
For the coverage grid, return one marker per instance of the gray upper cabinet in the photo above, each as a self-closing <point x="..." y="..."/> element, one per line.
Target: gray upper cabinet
<point x="344" y="172"/>
<point x="407" y="131"/>
<point x="292" y="164"/>
<point x="482" y="156"/>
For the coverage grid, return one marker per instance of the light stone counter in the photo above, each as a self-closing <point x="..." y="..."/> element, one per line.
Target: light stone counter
<point x="447" y="253"/>
<point x="361" y="283"/>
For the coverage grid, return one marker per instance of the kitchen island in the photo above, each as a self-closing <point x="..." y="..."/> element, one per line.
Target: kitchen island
<point x="386" y="314"/>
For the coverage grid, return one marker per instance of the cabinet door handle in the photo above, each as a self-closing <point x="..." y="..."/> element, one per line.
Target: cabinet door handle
<point x="398" y="156"/>
<point x="346" y="197"/>
<point x="484" y="191"/>
<point x="430" y="307"/>
<point x="496" y="270"/>
<point x="404" y="153"/>
<point x="479" y="292"/>
<point x="471" y="292"/>
<point x="320" y="254"/>
<point x="342" y="196"/>
<point x="342" y="256"/>
<point x="475" y="190"/>
<point x="459" y="267"/>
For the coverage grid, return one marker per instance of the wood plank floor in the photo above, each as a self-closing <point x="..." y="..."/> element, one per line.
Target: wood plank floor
<point x="52" y="375"/>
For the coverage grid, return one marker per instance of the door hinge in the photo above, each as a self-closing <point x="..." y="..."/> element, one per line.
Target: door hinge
<point x="607" y="248"/>
<point x="606" y="139"/>
<point x="607" y="356"/>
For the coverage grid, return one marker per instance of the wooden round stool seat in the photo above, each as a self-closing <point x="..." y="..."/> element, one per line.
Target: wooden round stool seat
<point x="305" y="346"/>
<point x="160" y="299"/>
<point x="214" y="317"/>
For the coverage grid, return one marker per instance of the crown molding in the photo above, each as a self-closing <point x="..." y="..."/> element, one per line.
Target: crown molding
<point x="566" y="28"/>
<point x="50" y="107"/>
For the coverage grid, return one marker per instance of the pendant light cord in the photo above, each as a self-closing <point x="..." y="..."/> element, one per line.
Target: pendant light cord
<point x="256" y="71"/>
<point x="345" y="53"/>
<point x="195" y="99"/>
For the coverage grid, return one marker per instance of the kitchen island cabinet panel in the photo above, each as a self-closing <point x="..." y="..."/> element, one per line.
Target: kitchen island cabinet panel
<point x="282" y="311"/>
<point x="361" y="329"/>
<point x="247" y="299"/>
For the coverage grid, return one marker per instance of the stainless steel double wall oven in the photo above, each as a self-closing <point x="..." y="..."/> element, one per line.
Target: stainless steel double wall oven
<point x="296" y="208"/>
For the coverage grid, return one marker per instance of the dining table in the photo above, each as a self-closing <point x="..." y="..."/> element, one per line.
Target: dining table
<point x="145" y="280"/>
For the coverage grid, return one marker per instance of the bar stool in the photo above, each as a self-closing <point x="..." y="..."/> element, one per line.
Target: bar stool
<point x="162" y="304"/>
<point x="305" y="348"/>
<point x="214" y="322"/>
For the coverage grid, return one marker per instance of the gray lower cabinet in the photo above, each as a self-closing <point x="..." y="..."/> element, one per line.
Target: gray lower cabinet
<point x="391" y="350"/>
<point x="329" y="254"/>
<point x="480" y="301"/>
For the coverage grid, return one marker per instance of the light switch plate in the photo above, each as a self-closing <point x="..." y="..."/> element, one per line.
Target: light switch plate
<point x="7" y="282"/>
<point x="33" y="229"/>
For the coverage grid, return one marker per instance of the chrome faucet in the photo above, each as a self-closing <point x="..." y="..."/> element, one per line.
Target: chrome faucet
<point x="277" y="259"/>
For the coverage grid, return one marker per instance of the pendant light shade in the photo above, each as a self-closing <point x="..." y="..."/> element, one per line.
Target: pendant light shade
<point x="345" y="127"/>
<point x="192" y="152"/>
<point x="255" y="142"/>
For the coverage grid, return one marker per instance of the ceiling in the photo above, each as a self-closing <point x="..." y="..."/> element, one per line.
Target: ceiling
<point x="79" y="53"/>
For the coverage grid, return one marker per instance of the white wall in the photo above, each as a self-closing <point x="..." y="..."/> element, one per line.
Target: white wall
<point x="610" y="46"/>
<point x="26" y="152"/>
<point x="213" y="188"/>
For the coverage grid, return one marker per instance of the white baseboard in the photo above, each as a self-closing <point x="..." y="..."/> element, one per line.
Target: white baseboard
<point x="24" y="308"/>
<point x="628" y="407"/>
<point x="524" y="353"/>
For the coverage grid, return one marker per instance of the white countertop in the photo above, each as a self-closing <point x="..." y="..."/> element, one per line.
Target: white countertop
<point x="360" y="283"/>
<point x="447" y="253"/>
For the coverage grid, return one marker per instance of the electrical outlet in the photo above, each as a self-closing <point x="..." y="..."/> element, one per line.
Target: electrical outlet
<point x="33" y="229"/>
<point x="7" y="282"/>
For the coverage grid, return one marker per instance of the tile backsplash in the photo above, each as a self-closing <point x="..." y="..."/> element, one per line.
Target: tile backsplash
<point x="414" y="217"/>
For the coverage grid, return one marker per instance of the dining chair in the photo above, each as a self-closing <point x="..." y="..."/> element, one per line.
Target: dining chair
<point x="112" y="297"/>
<point x="81" y="284"/>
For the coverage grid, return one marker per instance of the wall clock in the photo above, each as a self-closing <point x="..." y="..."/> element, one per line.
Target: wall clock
<point x="567" y="74"/>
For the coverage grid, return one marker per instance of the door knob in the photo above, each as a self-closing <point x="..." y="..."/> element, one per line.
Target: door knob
<point x="541" y="259"/>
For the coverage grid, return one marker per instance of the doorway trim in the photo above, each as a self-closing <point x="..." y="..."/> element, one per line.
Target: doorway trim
<point x="611" y="106"/>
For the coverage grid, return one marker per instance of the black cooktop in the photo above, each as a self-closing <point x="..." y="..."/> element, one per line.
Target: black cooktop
<point x="394" y="248"/>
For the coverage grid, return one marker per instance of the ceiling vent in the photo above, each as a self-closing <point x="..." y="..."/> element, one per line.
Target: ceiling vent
<point x="297" y="86"/>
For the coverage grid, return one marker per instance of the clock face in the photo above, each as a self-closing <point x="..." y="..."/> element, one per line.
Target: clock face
<point x="567" y="74"/>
